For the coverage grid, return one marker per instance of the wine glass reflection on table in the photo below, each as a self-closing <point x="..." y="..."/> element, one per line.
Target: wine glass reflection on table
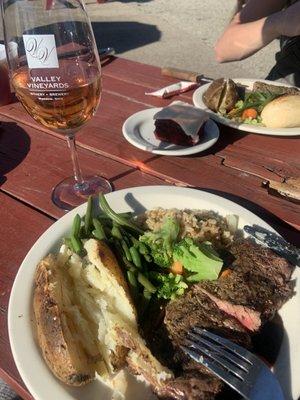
<point x="56" y="74"/>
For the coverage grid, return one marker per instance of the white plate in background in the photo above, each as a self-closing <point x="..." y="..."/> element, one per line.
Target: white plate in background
<point x="139" y="128"/>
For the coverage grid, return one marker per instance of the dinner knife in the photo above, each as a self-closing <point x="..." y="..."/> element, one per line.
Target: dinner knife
<point x="185" y="75"/>
<point x="275" y="242"/>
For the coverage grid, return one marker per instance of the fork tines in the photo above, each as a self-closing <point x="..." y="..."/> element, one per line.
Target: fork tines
<point x="236" y="366"/>
<point x="227" y="360"/>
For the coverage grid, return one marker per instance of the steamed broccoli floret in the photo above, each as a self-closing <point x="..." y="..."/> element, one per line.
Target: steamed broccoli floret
<point x="200" y="260"/>
<point x="161" y="242"/>
<point x="169" y="286"/>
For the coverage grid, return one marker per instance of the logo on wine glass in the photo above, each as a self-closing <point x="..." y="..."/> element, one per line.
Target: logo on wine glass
<point x="40" y="51"/>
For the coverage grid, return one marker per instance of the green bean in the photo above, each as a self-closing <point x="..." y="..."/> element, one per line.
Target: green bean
<point x="148" y="257"/>
<point x="147" y="294"/>
<point x="143" y="248"/>
<point x="134" y="241"/>
<point x="99" y="229"/>
<point x="126" y="250"/>
<point x="146" y="283"/>
<point x="98" y="235"/>
<point x="135" y="257"/>
<point x="115" y="232"/>
<point x="76" y="244"/>
<point x="126" y="238"/>
<point x="125" y="214"/>
<point x="132" y="279"/>
<point x="76" y="226"/>
<point x="88" y="215"/>
<point x="117" y="217"/>
<point x="68" y="243"/>
<point x="128" y="264"/>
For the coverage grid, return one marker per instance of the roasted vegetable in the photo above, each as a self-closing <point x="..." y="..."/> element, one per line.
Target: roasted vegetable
<point x="249" y="113"/>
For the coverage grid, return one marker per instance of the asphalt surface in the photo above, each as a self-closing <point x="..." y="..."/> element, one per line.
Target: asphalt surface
<point x="178" y="33"/>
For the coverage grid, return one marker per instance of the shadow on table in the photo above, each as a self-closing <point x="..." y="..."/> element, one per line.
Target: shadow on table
<point x="287" y="231"/>
<point x="124" y="36"/>
<point x="14" y="146"/>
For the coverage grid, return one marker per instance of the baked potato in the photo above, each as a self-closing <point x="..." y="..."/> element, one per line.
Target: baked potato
<point x="56" y="333"/>
<point x="221" y="95"/>
<point x="86" y="321"/>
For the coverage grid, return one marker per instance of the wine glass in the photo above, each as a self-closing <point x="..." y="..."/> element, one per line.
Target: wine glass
<point x="56" y="74"/>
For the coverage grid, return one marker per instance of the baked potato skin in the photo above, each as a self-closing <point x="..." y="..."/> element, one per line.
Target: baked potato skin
<point x="62" y="354"/>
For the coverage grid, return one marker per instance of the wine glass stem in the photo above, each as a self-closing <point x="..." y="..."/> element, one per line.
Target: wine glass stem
<point x="74" y="155"/>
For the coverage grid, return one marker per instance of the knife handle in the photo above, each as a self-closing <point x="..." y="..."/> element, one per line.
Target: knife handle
<point x="181" y="74"/>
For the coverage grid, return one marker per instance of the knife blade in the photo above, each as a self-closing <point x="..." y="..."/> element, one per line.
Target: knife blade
<point x="185" y="75"/>
<point x="275" y="242"/>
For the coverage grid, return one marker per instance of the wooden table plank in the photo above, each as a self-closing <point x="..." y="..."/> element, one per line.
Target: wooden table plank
<point x="282" y="151"/>
<point x="138" y="178"/>
<point x="19" y="237"/>
<point x="103" y="134"/>
<point x="32" y="163"/>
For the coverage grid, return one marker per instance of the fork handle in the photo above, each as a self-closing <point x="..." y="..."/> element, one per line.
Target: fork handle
<point x="267" y="384"/>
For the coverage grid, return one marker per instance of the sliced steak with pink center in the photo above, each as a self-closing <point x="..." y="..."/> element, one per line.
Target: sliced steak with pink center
<point x="249" y="318"/>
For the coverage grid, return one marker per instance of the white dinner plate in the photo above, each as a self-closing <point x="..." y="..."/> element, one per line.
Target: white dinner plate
<point x="32" y="368"/>
<point x="198" y="102"/>
<point x="138" y="129"/>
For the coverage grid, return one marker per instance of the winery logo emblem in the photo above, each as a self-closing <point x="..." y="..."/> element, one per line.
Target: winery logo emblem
<point x="40" y="51"/>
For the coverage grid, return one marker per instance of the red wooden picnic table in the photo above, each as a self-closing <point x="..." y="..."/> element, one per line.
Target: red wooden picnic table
<point x="33" y="159"/>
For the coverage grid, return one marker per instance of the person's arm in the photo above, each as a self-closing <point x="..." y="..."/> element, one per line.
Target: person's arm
<point x="255" y="26"/>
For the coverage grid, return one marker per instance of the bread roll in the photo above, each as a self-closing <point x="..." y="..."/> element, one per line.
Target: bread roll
<point x="283" y="112"/>
<point x="86" y="320"/>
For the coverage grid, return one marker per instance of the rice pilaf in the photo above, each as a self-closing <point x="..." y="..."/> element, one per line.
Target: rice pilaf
<point x="200" y="225"/>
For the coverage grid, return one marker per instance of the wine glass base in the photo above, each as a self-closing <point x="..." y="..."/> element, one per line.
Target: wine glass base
<point x="68" y="194"/>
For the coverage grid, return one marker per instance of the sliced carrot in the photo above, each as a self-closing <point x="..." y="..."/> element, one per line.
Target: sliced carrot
<point x="225" y="273"/>
<point x="176" y="268"/>
<point x="249" y="113"/>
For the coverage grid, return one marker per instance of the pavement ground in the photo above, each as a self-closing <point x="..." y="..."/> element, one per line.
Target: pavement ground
<point x="177" y="33"/>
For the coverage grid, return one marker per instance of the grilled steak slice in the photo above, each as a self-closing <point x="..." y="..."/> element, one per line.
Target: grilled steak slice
<point x="251" y="290"/>
<point x="260" y="280"/>
<point x="249" y="256"/>
<point x="196" y="308"/>
<point x="232" y="306"/>
<point x="192" y="386"/>
<point x="247" y="317"/>
<point x="193" y="381"/>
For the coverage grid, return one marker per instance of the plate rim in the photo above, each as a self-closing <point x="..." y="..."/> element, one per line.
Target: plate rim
<point x="151" y="189"/>
<point x="188" y="150"/>
<point x="260" y="130"/>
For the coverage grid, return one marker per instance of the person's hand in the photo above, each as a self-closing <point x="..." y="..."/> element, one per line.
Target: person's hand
<point x="288" y="21"/>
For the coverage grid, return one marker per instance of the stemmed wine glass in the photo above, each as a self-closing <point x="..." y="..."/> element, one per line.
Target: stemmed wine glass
<point x="56" y="74"/>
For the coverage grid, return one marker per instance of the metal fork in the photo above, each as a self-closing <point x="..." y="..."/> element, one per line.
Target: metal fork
<point x="236" y="366"/>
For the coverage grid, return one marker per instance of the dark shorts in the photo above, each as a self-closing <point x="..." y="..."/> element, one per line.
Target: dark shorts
<point x="287" y="68"/>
